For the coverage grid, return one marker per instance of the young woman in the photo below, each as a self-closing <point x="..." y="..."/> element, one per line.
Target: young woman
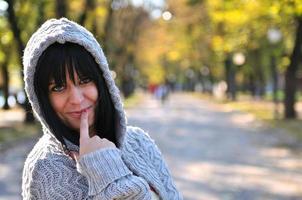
<point x="87" y="151"/>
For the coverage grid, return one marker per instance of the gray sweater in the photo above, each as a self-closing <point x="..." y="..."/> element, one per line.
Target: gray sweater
<point x="127" y="172"/>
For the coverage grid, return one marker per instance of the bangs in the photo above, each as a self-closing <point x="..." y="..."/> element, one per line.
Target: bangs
<point x="58" y="59"/>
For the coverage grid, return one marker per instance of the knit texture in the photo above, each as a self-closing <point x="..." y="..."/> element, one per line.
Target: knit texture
<point x="126" y="172"/>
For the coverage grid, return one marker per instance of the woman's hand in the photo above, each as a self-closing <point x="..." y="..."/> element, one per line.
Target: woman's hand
<point x="90" y="144"/>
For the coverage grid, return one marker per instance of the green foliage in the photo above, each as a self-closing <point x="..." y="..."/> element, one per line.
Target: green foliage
<point x="194" y="2"/>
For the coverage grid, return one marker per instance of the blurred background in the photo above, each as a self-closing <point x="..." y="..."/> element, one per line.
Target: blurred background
<point x="222" y="76"/>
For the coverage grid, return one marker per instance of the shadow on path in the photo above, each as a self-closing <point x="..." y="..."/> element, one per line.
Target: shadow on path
<point x="215" y="154"/>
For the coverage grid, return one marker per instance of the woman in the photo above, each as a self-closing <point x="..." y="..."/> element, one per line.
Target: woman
<point x="86" y="151"/>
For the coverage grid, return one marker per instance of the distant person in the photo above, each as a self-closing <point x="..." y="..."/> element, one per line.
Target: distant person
<point x="87" y="150"/>
<point x="162" y="92"/>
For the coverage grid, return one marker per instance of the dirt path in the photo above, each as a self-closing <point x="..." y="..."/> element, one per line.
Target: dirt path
<point x="11" y="166"/>
<point x="218" y="154"/>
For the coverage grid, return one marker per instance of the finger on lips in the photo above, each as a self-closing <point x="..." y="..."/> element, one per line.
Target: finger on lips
<point x="84" y="131"/>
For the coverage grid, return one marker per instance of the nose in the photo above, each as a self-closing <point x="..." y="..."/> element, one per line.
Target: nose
<point x="75" y="95"/>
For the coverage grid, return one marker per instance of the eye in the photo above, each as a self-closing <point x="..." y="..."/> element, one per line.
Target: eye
<point x="85" y="80"/>
<point x="57" y="88"/>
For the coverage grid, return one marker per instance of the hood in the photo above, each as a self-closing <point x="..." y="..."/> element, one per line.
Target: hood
<point x="61" y="31"/>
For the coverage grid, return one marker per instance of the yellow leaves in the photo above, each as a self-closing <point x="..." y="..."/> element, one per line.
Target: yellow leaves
<point x="217" y="42"/>
<point x="3" y="23"/>
<point x="173" y="55"/>
<point x="237" y="17"/>
<point x="214" y="3"/>
<point x="155" y="74"/>
<point x="2" y="56"/>
<point x="231" y="17"/>
<point x="298" y="4"/>
<point x="237" y="24"/>
<point x="220" y="45"/>
<point x="129" y="48"/>
<point x="26" y="7"/>
<point x="217" y="17"/>
<point x="76" y="5"/>
<point x="6" y="38"/>
<point x="101" y="11"/>
<point x="274" y="9"/>
<point x="285" y="61"/>
<point x="252" y="6"/>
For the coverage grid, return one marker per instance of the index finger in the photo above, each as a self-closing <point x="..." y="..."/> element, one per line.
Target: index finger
<point x="84" y="131"/>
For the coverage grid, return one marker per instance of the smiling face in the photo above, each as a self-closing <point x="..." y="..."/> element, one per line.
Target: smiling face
<point x="71" y="98"/>
<point x="66" y="81"/>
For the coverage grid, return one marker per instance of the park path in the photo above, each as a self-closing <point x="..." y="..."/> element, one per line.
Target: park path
<point x="213" y="153"/>
<point x="11" y="166"/>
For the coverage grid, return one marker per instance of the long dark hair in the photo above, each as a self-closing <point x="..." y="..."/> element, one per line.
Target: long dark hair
<point x="57" y="60"/>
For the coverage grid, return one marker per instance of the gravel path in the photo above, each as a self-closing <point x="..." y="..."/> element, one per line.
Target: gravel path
<point x="212" y="153"/>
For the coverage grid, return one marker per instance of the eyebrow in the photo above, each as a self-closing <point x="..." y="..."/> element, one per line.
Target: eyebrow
<point x="51" y="82"/>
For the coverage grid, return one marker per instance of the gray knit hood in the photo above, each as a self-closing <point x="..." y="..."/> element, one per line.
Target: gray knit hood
<point x="61" y="31"/>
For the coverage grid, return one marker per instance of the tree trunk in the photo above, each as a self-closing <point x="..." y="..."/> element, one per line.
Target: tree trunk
<point x="89" y="6"/>
<point x="230" y="78"/>
<point x="15" y="29"/>
<point x="29" y="117"/>
<point x="274" y="73"/>
<point x="251" y="85"/>
<point x="5" y="78"/>
<point x="41" y="13"/>
<point x="259" y="74"/>
<point x="107" y="27"/>
<point x="131" y="32"/>
<point x="61" y="8"/>
<point x="258" y="77"/>
<point x="290" y="75"/>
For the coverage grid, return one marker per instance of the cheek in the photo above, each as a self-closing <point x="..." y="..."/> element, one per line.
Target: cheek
<point x="92" y="93"/>
<point x="95" y="94"/>
<point x="57" y="103"/>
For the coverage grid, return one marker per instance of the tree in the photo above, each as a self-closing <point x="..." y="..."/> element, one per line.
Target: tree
<point x="61" y="8"/>
<point x="5" y="78"/>
<point x="287" y="16"/>
<point x="5" y="52"/>
<point x="11" y="17"/>
<point x="290" y="74"/>
<point x="122" y="29"/>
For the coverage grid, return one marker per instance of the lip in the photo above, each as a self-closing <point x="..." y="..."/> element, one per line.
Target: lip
<point x="77" y="114"/>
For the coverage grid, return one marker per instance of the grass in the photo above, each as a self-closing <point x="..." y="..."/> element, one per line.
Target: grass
<point x="262" y="110"/>
<point x="293" y="126"/>
<point x="12" y="128"/>
<point x="133" y="100"/>
<point x="19" y="131"/>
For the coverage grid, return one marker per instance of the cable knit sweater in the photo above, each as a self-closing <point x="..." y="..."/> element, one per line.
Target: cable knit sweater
<point x="127" y="172"/>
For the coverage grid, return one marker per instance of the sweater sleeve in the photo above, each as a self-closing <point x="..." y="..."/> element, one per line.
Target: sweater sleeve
<point x="53" y="178"/>
<point x="154" y="155"/>
<point x="107" y="178"/>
